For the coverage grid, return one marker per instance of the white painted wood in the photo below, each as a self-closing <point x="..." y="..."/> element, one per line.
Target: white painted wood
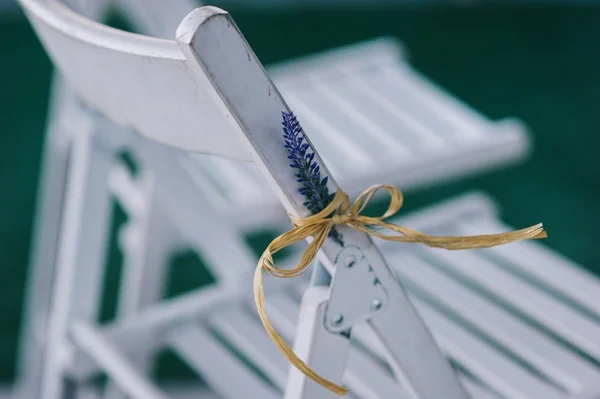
<point x="439" y="277"/>
<point x="219" y="242"/>
<point x="115" y="366"/>
<point x="557" y="272"/>
<point x="413" y="352"/>
<point x="231" y="379"/>
<point x="542" y="307"/>
<point x="256" y="122"/>
<point x="83" y="241"/>
<point x="49" y="209"/>
<point x="560" y="365"/>
<point x="139" y="82"/>
<point x="139" y="332"/>
<point x="146" y="241"/>
<point x="66" y="117"/>
<point x="323" y="90"/>
<point x="241" y="329"/>
<point x="499" y="372"/>
<point x="380" y="51"/>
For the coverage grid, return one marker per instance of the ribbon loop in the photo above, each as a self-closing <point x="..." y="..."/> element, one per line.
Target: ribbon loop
<point x="339" y="212"/>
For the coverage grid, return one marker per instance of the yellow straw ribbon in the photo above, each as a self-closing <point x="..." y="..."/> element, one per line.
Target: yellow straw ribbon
<point x="339" y="212"/>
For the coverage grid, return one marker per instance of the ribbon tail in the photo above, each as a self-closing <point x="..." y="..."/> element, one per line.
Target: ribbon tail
<point x="455" y="242"/>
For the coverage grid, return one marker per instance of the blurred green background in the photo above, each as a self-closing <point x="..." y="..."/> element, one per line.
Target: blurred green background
<point x="539" y="63"/>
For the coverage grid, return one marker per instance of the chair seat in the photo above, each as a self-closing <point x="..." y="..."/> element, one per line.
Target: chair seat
<point x="521" y="318"/>
<point x="373" y="119"/>
<point x="520" y="322"/>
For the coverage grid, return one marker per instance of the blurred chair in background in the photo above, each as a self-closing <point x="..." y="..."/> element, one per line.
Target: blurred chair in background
<point x="441" y="138"/>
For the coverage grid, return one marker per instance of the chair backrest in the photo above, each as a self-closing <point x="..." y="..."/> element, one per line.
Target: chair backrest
<point x="143" y="83"/>
<point x="205" y="92"/>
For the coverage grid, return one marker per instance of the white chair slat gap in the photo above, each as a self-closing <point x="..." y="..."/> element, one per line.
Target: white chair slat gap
<point x="550" y="268"/>
<point x="494" y="369"/>
<point x="402" y="127"/>
<point x="556" y="362"/>
<point x="477" y="391"/>
<point x="449" y="109"/>
<point x="525" y="298"/>
<point x="358" y="128"/>
<point x="203" y="352"/>
<point x="242" y="330"/>
<point x="116" y="366"/>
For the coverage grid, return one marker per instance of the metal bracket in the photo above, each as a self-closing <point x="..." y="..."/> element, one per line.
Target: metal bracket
<point x="356" y="293"/>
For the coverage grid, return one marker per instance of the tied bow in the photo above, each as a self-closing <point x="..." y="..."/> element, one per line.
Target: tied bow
<point x="339" y="212"/>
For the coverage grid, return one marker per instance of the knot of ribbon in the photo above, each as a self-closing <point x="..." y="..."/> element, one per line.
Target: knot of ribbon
<point x="339" y="212"/>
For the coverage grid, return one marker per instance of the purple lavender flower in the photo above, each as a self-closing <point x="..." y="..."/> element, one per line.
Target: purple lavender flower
<point x="312" y="186"/>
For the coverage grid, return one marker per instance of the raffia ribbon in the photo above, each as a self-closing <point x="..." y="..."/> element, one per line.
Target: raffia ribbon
<point x="339" y="212"/>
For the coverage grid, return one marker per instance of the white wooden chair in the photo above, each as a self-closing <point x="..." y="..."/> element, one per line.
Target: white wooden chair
<point x="485" y="145"/>
<point x="197" y="102"/>
<point x="83" y="335"/>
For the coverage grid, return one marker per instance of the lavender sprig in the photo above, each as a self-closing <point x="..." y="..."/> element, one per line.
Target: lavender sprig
<point x="313" y="187"/>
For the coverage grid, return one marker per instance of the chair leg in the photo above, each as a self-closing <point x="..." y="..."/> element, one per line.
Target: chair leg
<point x="146" y="242"/>
<point x="113" y="363"/>
<point x="50" y="204"/>
<point x="323" y="351"/>
<point x="81" y="254"/>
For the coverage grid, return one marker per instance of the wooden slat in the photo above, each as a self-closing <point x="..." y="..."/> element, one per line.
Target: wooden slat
<point x="113" y="363"/>
<point x="231" y="379"/>
<point x="543" y="265"/>
<point x="449" y="111"/>
<point x="549" y="357"/>
<point x="402" y="126"/>
<point x="490" y="366"/>
<point x="353" y="120"/>
<point x="538" y="305"/>
<point x="250" y="338"/>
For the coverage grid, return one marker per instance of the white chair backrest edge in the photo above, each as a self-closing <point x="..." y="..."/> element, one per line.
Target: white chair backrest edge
<point x="139" y="82"/>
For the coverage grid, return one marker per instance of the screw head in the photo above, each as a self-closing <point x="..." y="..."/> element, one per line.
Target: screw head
<point x="337" y="319"/>
<point x="376" y="304"/>
<point x="350" y="261"/>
